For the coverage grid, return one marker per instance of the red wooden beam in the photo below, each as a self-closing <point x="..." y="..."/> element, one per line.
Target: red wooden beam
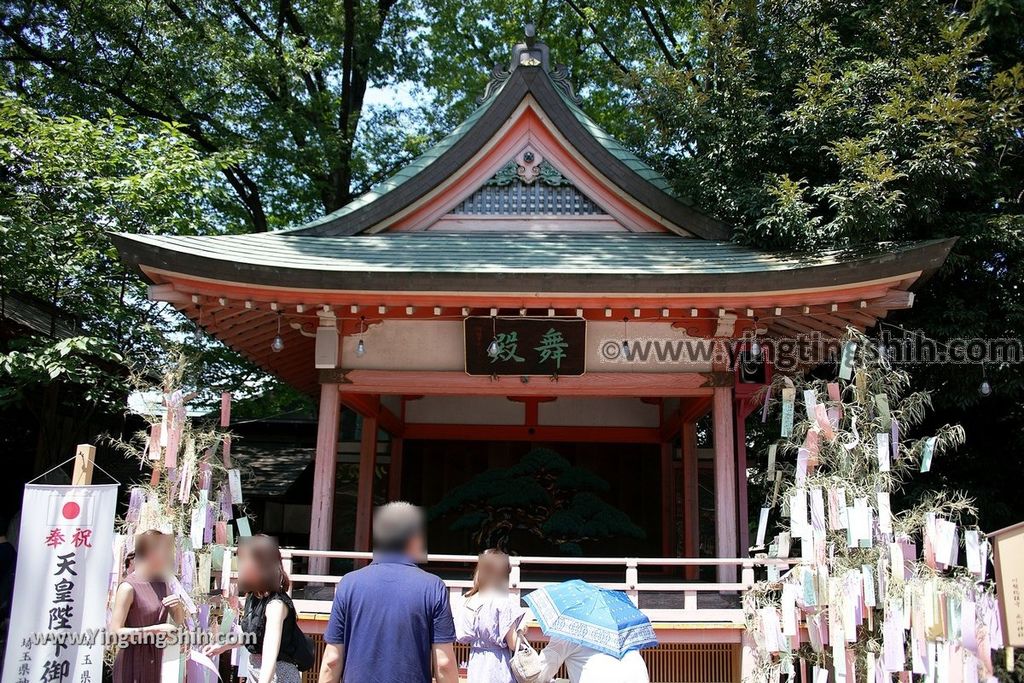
<point x="885" y="292"/>
<point x="370" y="406"/>
<point x="449" y="383"/>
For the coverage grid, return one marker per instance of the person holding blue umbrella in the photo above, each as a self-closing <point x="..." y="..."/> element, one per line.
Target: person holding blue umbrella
<point x="596" y="633"/>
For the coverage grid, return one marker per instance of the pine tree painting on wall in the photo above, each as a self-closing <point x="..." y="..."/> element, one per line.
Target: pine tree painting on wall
<point x="872" y="592"/>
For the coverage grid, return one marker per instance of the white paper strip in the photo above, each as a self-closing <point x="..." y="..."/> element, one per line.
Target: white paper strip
<point x="762" y="527"/>
<point x="798" y="513"/>
<point x="818" y="513"/>
<point x="198" y="525"/>
<point x="972" y="543"/>
<point x="869" y="585"/>
<point x="235" y="486"/>
<point x="789" y="621"/>
<point x="810" y="402"/>
<point x="882" y="441"/>
<point x="884" y="511"/>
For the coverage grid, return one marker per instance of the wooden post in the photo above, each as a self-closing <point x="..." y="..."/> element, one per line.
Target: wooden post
<point x="743" y="512"/>
<point x="668" y="501"/>
<point x="364" y="499"/>
<point x="321" y="521"/>
<point x="691" y="501"/>
<point x="725" y="482"/>
<point x="395" y="469"/>
<point x="85" y="458"/>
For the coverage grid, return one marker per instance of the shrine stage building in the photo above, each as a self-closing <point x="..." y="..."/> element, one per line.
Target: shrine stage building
<point x="518" y="286"/>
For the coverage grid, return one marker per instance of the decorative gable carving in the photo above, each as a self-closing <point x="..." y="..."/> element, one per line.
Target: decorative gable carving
<point x="527" y="185"/>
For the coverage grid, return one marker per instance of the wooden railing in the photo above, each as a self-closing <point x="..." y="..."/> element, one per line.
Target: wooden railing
<point x="683" y="596"/>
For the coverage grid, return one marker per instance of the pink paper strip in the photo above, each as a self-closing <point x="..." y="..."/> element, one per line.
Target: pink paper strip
<point x="893" y="656"/>
<point x="225" y="409"/>
<point x="154" y="441"/>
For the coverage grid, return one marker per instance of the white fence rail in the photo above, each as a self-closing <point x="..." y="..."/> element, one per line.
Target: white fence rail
<point x="685" y="594"/>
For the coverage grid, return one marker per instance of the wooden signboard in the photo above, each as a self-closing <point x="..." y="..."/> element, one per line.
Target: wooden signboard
<point x="1008" y="556"/>
<point x="525" y="346"/>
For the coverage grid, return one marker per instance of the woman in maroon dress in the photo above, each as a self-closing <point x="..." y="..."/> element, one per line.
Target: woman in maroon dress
<point x="143" y="611"/>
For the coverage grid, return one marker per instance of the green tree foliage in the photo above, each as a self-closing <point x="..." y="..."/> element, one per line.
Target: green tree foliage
<point x="288" y="81"/>
<point x="807" y="124"/>
<point x="285" y="81"/>
<point x="820" y="124"/>
<point x="64" y="183"/>
<point x="542" y="495"/>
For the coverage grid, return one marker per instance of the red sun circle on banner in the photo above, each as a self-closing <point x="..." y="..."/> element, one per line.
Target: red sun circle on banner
<point x="71" y="510"/>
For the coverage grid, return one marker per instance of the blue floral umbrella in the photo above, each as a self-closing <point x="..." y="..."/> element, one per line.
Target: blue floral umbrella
<point x="604" y="620"/>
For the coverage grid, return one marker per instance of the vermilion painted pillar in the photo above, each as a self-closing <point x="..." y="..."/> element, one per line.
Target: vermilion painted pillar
<point x="395" y="469"/>
<point x="743" y="512"/>
<point x="725" y="481"/>
<point x="691" y="490"/>
<point x="321" y="519"/>
<point x="668" y="502"/>
<point x="364" y="499"/>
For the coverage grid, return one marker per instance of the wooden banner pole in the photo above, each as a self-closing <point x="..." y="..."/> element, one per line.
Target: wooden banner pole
<point x="85" y="458"/>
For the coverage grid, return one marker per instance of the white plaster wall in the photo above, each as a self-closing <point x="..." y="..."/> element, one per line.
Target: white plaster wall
<point x="473" y="410"/>
<point x="439" y="345"/>
<point x="598" y="412"/>
<point x="408" y="345"/>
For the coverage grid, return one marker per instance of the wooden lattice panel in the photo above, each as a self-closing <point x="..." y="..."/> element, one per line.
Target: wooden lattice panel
<point x="518" y="199"/>
<point x="667" y="663"/>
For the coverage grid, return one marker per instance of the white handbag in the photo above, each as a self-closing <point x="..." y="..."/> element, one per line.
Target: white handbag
<point x="526" y="664"/>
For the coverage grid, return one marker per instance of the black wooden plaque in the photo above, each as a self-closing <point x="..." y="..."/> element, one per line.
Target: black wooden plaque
<point x="526" y="346"/>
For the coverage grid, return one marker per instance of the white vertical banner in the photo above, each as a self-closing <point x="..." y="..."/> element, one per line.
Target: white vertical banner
<point x="60" y="588"/>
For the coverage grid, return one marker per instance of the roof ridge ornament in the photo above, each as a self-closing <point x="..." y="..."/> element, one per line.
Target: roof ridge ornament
<point x="531" y="53"/>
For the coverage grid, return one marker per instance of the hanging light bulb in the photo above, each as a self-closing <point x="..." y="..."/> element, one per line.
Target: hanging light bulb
<point x="278" y="344"/>
<point x="361" y="345"/>
<point x="755" y="346"/>
<point x="984" y="389"/>
<point x="494" y="348"/>
<point x="625" y="335"/>
<point x="197" y="334"/>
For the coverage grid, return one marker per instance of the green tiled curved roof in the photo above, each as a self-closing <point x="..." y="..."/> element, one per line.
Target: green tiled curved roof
<point x="617" y="149"/>
<point x="408" y="171"/>
<point x="393" y="258"/>
<point x="424" y="162"/>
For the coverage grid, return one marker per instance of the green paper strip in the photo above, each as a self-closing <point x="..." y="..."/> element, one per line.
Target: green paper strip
<point x="926" y="454"/>
<point x="847" y="359"/>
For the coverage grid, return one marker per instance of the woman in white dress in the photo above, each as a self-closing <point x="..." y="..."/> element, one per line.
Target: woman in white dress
<point x="587" y="665"/>
<point x="488" y="619"/>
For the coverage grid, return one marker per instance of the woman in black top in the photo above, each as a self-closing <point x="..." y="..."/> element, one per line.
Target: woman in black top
<point x="268" y="618"/>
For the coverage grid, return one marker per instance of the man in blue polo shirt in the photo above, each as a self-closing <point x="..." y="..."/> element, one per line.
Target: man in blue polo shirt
<point x="391" y="618"/>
